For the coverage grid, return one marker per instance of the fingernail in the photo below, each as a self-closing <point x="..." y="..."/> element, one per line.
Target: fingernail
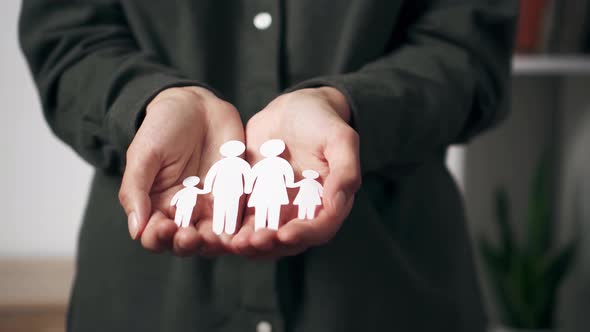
<point x="133" y="225"/>
<point x="339" y="201"/>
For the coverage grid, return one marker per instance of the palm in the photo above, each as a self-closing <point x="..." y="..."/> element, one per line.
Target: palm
<point x="303" y="132"/>
<point x="310" y="128"/>
<point x="197" y="148"/>
<point x="181" y="136"/>
<point x="184" y="137"/>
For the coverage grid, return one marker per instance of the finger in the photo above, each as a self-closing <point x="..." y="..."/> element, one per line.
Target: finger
<point x="240" y="243"/>
<point x="140" y="171"/>
<point x="264" y="240"/>
<point x="158" y="233"/>
<point x="307" y="233"/>
<point x="250" y="243"/>
<point x="301" y="233"/>
<point x="187" y="241"/>
<point x="344" y="178"/>
<point x="212" y="246"/>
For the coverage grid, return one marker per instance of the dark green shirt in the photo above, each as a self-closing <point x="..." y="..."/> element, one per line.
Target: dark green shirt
<point x="418" y="74"/>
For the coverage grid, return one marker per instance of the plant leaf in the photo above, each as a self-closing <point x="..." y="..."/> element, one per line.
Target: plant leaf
<point x="493" y="257"/>
<point x="559" y="265"/>
<point x="503" y="220"/>
<point x="498" y="275"/>
<point x="539" y="228"/>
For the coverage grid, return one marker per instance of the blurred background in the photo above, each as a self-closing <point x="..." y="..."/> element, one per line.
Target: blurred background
<point x="526" y="185"/>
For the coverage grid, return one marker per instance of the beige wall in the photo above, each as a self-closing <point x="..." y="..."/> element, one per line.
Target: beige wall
<point x="43" y="185"/>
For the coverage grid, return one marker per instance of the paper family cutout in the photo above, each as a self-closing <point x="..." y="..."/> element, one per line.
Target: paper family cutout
<point x="266" y="182"/>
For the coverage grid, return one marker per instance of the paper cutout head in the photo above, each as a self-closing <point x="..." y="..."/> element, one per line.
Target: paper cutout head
<point x="191" y="181"/>
<point x="272" y="148"/>
<point x="232" y="149"/>
<point x="310" y="174"/>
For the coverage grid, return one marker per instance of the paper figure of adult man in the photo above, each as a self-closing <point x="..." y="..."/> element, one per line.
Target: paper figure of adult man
<point x="224" y="181"/>
<point x="268" y="184"/>
<point x="185" y="201"/>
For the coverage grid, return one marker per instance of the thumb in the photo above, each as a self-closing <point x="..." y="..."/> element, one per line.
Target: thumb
<point x="344" y="179"/>
<point x="138" y="178"/>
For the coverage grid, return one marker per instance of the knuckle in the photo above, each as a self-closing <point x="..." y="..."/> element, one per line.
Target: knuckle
<point x="170" y="100"/>
<point x="131" y="150"/>
<point x="140" y="154"/>
<point x="123" y="196"/>
<point x="222" y="104"/>
<point x="185" y="95"/>
<point x="351" y="135"/>
<point x="150" y="154"/>
<point x="345" y="134"/>
<point x="355" y="180"/>
<point x="255" y="124"/>
<point x="250" y="125"/>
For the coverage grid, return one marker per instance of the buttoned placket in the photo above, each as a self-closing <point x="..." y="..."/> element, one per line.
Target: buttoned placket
<point x="259" y="61"/>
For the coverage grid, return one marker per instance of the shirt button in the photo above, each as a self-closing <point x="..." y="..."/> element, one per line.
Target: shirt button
<point x="263" y="326"/>
<point x="262" y="21"/>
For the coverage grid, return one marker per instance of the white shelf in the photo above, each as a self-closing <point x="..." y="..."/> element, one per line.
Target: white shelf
<point x="555" y="65"/>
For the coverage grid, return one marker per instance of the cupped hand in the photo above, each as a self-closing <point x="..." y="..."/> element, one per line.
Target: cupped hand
<point x="313" y="123"/>
<point x="180" y="136"/>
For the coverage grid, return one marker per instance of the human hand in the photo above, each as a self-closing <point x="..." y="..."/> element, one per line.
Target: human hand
<point x="180" y="136"/>
<point x="313" y="123"/>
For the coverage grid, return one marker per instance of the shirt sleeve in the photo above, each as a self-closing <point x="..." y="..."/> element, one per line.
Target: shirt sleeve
<point x="93" y="79"/>
<point x="445" y="80"/>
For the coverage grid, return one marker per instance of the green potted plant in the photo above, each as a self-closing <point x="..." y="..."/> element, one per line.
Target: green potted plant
<point x="525" y="277"/>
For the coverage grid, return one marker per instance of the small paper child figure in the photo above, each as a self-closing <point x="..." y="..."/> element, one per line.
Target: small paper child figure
<point x="309" y="196"/>
<point x="185" y="201"/>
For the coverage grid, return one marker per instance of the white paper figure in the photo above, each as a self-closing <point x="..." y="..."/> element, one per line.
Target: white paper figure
<point x="185" y="201"/>
<point x="309" y="196"/>
<point x="267" y="183"/>
<point x="224" y="180"/>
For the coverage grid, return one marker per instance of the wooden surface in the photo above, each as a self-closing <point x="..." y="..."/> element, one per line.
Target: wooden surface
<point x="32" y="318"/>
<point x="25" y="281"/>
<point x="34" y="294"/>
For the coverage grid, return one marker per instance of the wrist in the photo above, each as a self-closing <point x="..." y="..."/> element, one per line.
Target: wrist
<point x="192" y="95"/>
<point x="337" y="100"/>
<point x="332" y="97"/>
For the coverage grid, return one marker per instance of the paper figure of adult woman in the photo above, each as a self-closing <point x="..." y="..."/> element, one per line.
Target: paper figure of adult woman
<point x="268" y="184"/>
